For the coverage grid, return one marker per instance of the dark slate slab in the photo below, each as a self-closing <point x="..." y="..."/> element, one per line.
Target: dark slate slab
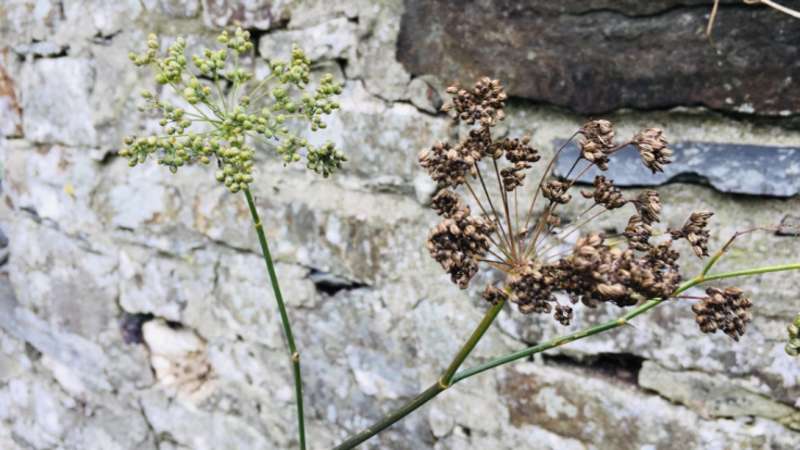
<point x="734" y="168"/>
<point x="594" y="56"/>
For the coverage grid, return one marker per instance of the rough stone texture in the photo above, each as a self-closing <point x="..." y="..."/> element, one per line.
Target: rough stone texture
<point x="135" y="311"/>
<point x="597" y="56"/>
<point x="738" y="169"/>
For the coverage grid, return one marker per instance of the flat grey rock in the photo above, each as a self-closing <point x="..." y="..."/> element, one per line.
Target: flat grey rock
<point x="732" y="168"/>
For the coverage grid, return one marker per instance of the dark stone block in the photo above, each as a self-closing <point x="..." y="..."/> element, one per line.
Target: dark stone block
<point x="594" y="56"/>
<point x="734" y="168"/>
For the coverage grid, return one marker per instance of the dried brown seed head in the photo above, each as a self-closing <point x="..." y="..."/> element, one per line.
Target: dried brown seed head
<point x="726" y="310"/>
<point x="556" y="191"/>
<point x="458" y="242"/>
<point x="598" y="142"/>
<point x="638" y="233"/>
<point x="653" y="149"/>
<point x="695" y="231"/>
<point x="605" y="193"/>
<point x="648" y="205"/>
<point x="483" y="104"/>
<point x="493" y="295"/>
<point x="447" y="203"/>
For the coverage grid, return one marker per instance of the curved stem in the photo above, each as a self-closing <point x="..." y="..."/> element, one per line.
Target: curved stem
<point x="294" y="355"/>
<point x="438" y="388"/>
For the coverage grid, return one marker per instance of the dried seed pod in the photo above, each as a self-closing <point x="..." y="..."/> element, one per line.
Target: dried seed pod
<point x="493" y="295"/>
<point x="563" y="314"/>
<point x="695" y="232"/>
<point x="648" y="205"/>
<point x="653" y="149"/>
<point x="556" y="191"/>
<point x="532" y="288"/>
<point x="726" y="310"/>
<point x="517" y="150"/>
<point x="598" y="142"/>
<point x="458" y="242"/>
<point x="448" y="165"/>
<point x="514" y="176"/>
<point x="446" y="203"/>
<point x="605" y="193"/>
<point x="638" y="233"/>
<point x="483" y="104"/>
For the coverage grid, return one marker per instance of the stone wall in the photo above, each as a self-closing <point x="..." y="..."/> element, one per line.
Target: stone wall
<point x="135" y="313"/>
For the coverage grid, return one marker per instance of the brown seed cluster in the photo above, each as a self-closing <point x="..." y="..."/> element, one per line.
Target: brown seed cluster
<point x="448" y="165"/>
<point x="638" y="233"/>
<point x="483" y="103"/>
<point x="605" y="193"/>
<point x="695" y="231"/>
<point x="726" y="310"/>
<point x="598" y="142"/>
<point x="648" y="205"/>
<point x="653" y="149"/>
<point x="458" y="242"/>
<point x="595" y="270"/>
<point x="556" y="191"/>
<point x="521" y="155"/>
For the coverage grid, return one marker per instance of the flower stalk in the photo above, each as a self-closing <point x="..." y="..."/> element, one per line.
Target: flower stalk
<point x="441" y="385"/>
<point x="430" y="393"/>
<point x="294" y="355"/>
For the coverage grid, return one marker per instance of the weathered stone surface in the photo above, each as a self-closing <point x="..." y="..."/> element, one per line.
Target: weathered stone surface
<point x="333" y="39"/>
<point x="714" y="396"/>
<point x="55" y="101"/>
<point x="548" y="397"/>
<point x="734" y="168"/>
<point x="259" y="14"/>
<point x="790" y="226"/>
<point x="11" y="124"/>
<point x="122" y="278"/>
<point x="594" y="57"/>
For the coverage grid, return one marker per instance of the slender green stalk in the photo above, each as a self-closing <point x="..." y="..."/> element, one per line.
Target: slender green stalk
<point x="473" y="340"/>
<point x="294" y="355"/>
<point x="437" y="388"/>
<point x="440" y="386"/>
<point x="611" y="324"/>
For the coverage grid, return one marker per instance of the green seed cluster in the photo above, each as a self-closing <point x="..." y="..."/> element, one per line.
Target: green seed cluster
<point x="793" y="346"/>
<point x="231" y="110"/>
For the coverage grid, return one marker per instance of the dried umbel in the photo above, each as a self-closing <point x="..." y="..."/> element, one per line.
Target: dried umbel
<point x="653" y="149"/>
<point x="695" y="230"/>
<point x="483" y="103"/>
<point x="459" y="242"/>
<point x="224" y="127"/>
<point x="605" y="193"/>
<point x="726" y="310"/>
<point x="640" y="263"/>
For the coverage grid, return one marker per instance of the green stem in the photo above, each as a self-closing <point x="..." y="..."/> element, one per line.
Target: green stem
<point x="473" y="340"/>
<point x="611" y="324"/>
<point x="294" y="355"/>
<point x="440" y="386"/>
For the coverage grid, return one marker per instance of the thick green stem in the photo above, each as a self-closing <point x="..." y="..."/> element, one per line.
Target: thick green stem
<point x="438" y="388"/>
<point x="294" y="355"/>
